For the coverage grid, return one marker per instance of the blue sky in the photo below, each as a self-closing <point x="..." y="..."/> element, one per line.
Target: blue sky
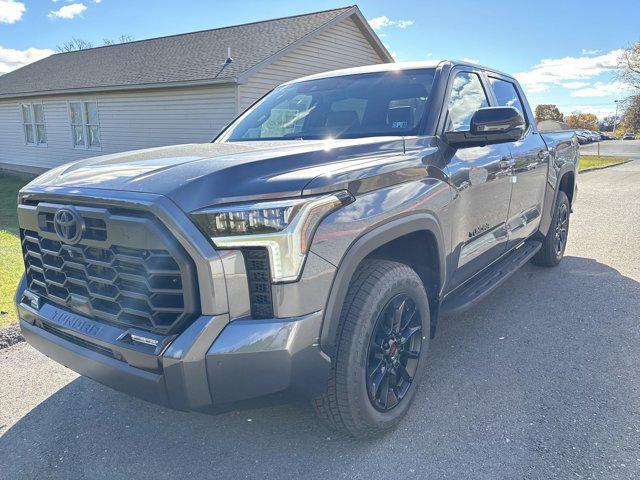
<point x="562" y="51"/>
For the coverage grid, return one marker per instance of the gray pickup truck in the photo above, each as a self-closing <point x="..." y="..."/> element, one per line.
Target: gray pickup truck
<point x="308" y="251"/>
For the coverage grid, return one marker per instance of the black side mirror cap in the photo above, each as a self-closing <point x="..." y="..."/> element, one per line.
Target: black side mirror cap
<point x="489" y="125"/>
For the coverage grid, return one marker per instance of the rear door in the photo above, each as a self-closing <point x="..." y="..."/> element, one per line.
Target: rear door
<point x="530" y="165"/>
<point x="481" y="177"/>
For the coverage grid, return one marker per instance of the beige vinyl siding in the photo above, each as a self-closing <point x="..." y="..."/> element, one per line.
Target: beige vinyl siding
<point x="340" y="46"/>
<point x="128" y="121"/>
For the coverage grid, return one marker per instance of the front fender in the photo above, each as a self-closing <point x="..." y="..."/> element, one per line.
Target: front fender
<point x="362" y="247"/>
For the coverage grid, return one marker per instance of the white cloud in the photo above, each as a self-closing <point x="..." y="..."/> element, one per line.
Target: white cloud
<point x="404" y="23"/>
<point x="383" y="21"/>
<point x="586" y="51"/>
<point x="602" y="89"/>
<point x="68" y="11"/>
<point x="471" y="60"/>
<point x="554" y="71"/>
<point x="11" y="59"/>
<point x="11" y="11"/>
<point x="574" y="85"/>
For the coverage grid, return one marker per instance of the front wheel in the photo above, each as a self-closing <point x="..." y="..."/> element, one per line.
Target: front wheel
<point x="381" y="351"/>
<point x="555" y="242"/>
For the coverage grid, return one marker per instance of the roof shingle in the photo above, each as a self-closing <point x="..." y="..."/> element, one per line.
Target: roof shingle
<point x="184" y="58"/>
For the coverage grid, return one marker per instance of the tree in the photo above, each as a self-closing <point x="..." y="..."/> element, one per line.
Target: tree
<point x="629" y="72"/>
<point x="73" y="45"/>
<point x="631" y="116"/>
<point x="629" y="65"/>
<point x="76" y="44"/>
<point x="582" y="120"/>
<point x="547" y="111"/>
<point x="608" y="122"/>
<point x="120" y="39"/>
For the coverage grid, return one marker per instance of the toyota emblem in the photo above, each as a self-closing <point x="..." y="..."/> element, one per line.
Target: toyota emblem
<point x="68" y="225"/>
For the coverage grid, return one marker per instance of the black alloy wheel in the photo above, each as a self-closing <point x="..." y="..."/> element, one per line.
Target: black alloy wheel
<point x="394" y="350"/>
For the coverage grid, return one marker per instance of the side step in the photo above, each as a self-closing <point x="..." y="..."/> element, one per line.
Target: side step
<point x="488" y="280"/>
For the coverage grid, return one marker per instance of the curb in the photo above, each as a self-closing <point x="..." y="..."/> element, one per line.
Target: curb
<point x="10" y="335"/>
<point x="593" y="169"/>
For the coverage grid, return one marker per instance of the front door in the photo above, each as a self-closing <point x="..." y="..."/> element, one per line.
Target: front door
<point x="481" y="176"/>
<point x="531" y="162"/>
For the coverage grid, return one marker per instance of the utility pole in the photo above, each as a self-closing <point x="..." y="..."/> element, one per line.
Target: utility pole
<point x="615" y="117"/>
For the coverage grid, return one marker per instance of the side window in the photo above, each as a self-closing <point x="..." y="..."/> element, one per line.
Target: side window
<point x="85" y="128"/>
<point x="467" y="96"/>
<point x="35" y="132"/>
<point x="507" y="94"/>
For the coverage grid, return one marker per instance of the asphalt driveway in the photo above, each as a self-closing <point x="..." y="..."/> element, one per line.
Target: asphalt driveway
<point x="613" y="148"/>
<point x="540" y="381"/>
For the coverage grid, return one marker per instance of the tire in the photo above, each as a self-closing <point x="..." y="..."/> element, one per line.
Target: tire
<point x="555" y="242"/>
<point x="351" y="403"/>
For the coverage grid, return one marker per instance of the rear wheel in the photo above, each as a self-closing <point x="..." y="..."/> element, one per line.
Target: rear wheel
<point x="555" y="242"/>
<point x="381" y="351"/>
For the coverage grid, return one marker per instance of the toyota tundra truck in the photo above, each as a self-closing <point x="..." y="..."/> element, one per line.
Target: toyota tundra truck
<point x="307" y="252"/>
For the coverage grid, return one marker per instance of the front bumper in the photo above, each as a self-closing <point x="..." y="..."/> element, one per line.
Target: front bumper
<point x="212" y="363"/>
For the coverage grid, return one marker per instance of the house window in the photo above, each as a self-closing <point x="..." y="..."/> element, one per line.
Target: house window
<point x="85" y="128"/>
<point x="35" y="132"/>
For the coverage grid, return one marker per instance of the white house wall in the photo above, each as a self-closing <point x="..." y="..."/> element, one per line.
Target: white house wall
<point x="128" y="121"/>
<point x="341" y="46"/>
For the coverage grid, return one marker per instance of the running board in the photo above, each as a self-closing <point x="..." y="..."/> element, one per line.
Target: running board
<point x="486" y="281"/>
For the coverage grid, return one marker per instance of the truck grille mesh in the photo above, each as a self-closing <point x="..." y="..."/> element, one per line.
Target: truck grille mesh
<point x="149" y="288"/>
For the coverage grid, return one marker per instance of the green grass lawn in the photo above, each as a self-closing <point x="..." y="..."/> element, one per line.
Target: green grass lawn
<point x="12" y="267"/>
<point x="593" y="161"/>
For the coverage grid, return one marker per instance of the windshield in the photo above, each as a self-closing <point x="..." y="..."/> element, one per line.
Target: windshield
<point x="351" y="106"/>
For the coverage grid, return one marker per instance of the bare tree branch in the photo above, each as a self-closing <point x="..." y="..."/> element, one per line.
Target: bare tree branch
<point x="76" y="44"/>
<point x="629" y="64"/>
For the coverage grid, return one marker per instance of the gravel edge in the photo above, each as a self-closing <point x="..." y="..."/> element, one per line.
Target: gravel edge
<point x="10" y="335"/>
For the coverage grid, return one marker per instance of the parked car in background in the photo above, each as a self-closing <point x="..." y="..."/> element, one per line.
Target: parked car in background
<point x="595" y="136"/>
<point x="629" y="136"/>
<point x="582" y="137"/>
<point x="308" y="250"/>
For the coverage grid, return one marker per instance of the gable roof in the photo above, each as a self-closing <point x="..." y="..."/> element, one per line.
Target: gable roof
<point x="196" y="58"/>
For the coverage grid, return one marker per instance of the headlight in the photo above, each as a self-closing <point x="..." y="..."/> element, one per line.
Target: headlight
<point x="284" y="227"/>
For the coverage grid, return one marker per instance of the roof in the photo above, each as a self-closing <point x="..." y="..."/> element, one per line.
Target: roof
<point x="386" y="67"/>
<point x="186" y="59"/>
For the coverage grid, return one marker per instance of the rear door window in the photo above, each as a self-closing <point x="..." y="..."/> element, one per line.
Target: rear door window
<point x="507" y="94"/>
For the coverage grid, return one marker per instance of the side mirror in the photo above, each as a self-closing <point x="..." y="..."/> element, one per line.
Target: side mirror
<point x="489" y="126"/>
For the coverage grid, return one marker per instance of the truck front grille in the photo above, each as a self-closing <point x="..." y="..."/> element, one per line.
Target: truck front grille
<point x="126" y="269"/>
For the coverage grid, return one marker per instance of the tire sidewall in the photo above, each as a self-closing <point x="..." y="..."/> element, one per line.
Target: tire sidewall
<point x="386" y="289"/>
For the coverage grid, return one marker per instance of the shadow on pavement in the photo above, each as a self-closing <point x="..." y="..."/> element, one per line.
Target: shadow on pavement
<point x="537" y="380"/>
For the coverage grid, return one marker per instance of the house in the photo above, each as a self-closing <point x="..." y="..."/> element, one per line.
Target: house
<point x="170" y="90"/>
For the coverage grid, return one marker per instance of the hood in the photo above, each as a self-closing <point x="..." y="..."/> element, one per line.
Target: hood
<point x="199" y="175"/>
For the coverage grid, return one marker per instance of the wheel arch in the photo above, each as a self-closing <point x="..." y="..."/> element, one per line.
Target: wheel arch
<point x="567" y="184"/>
<point x="379" y="243"/>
